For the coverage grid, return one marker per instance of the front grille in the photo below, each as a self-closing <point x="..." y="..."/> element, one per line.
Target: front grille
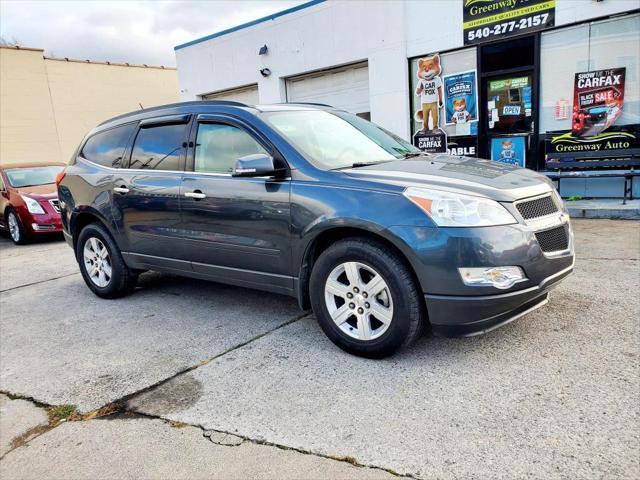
<point x="55" y="204"/>
<point x="553" y="240"/>
<point x="539" y="207"/>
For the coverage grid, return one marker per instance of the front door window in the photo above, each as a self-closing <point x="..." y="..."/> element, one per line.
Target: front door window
<point x="218" y="146"/>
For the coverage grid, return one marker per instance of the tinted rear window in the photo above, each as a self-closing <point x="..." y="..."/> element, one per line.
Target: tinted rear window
<point x="107" y="148"/>
<point x="159" y="148"/>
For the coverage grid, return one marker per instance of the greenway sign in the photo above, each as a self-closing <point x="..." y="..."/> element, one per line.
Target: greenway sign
<point x="486" y="20"/>
<point x="616" y="138"/>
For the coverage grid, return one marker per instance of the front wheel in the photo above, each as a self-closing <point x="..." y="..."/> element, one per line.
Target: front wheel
<point x="101" y="263"/>
<point x="16" y="229"/>
<point x="365" y="298"/>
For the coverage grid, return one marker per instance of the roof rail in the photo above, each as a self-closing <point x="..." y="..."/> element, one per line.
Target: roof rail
<point x="223" y="102"/>
<point x="175" y="105"/>
<point x="306" y="103"/>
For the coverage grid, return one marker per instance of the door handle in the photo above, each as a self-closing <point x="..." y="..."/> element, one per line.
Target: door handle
<point x="122" y="190"/>
<point x="197" y="195"/>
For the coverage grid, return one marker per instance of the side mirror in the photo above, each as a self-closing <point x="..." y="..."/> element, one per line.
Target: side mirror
<point x="256" y="165"/>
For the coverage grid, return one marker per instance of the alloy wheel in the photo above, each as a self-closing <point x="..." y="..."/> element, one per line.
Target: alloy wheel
<point x="14" y="229"/>
<point x="358" y="300"/>
<point x="97" y="262"/>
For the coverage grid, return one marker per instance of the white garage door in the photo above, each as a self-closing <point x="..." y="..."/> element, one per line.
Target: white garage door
<point x="248" y="95"/>
<point x="346" y="88"/>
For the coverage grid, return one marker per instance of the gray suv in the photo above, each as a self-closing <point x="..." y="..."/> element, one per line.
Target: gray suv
<point x="381" y="240"/>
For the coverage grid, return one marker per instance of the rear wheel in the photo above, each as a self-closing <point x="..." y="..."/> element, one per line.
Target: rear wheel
<point x="16" y="229"/>
<point x="365" y="298"/>
<point x="101" y="263"/>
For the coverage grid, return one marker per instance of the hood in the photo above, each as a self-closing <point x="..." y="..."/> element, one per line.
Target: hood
<point x="39" y="191"/>
<point x="475" y="176"/>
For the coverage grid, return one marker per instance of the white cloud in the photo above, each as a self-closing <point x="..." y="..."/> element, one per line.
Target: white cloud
<point x="124" y="31"/>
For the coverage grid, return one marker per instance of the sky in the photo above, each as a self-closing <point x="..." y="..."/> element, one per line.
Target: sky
<point x="124" y="30"/>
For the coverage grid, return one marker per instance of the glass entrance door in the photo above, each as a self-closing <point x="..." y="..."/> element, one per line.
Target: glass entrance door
<point x="509" y="116"/>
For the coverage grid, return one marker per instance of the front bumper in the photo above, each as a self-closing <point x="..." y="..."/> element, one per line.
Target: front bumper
<point x="465" y="316"/>
<point x="456" y="309"/>
<point x="40" y="223"/>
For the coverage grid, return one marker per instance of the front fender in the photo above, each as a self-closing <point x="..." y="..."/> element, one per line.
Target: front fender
<point x="317" y="209"/>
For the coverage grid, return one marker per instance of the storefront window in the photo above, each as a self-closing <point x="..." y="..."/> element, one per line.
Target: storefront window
<point x="602" y="45"/>
<point x="444" y="101"/>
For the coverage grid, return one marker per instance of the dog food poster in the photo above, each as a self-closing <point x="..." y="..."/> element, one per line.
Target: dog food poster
<point x="460" y="98"/>
<point x="511" y="150"/>
<point x="598" y="97"/>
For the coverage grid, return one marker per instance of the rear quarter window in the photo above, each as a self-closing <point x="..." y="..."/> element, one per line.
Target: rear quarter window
<point x="107" y="148"/>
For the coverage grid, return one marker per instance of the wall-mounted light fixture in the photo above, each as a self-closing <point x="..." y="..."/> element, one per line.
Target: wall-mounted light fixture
<point x="263" y="50"/>
<point x="265" y="72"/>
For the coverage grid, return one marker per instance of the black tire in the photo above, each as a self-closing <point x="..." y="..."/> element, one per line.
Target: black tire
<point x="408" y="317"/>
<point x="122" y="281"/>
<point x="22" y="237"/>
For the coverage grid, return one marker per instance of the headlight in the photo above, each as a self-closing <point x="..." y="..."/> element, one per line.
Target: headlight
<point x="457" y="210"/>
<point x="32" y="205"/>
<point x="558" y="199"/>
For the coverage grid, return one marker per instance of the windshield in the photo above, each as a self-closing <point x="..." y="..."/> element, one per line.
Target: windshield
<point x="29" y="177"/>
<point x="333" y="140"/>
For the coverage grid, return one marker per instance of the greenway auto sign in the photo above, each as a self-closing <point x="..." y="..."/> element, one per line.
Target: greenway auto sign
<point x="486" y="20"/>
<point x="565" y="144"/>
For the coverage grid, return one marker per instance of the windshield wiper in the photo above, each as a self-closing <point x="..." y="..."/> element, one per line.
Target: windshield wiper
<point x="361" y="164"/>
<point x="413" y="154"/>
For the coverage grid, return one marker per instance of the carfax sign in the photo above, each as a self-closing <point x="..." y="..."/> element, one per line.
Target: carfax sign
<point x="486" y="20"/>
<point x="460" y="98"/>
<point x="598" y="98"/>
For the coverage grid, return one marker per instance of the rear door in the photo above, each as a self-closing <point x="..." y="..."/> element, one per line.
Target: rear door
<point x="236" y="228"/>
<point x="146" y="192"/>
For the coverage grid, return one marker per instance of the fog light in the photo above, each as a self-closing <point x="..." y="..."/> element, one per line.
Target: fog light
<point x="498" y="277"/>
<point x="40" y="227"/>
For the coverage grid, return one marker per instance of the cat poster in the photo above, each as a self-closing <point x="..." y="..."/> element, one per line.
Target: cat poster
<point x="460" y="98"/>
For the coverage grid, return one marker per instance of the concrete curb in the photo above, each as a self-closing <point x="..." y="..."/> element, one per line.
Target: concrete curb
<point x="610" y="213"/>
<point x="611" y="209"/>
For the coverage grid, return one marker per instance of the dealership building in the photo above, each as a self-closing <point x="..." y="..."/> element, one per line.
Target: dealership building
<point x="553" y="85"/>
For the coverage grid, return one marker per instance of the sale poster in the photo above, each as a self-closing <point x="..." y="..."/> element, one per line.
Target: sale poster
<point x="511" y="150"/>
<point x="598" y="97"/>
<point x="460" y="98"/>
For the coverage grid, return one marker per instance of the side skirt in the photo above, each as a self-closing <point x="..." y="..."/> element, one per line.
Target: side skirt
<point x="270" y="282"/>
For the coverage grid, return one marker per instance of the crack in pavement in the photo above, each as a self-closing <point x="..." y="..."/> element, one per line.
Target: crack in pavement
<point x="119" y="407"/>
<point x="39" y="282"/>
<point x="209" y="432"/>
<point x="34" y="432"/>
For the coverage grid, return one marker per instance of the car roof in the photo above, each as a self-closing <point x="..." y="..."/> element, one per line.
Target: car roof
<point x="9" y="166"/>
<point x="206" y="106"/>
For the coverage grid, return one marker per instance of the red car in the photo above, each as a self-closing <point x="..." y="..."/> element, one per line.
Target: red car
<point x="29" y="200"/>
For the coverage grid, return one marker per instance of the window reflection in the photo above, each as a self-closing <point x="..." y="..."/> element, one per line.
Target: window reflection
<point x="218" y="146"/>
<point x="107" y="148"/>
<point x="158" y="148"/>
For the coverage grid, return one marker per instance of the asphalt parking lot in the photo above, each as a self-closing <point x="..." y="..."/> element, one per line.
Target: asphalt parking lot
<point x="260" y="392"/>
